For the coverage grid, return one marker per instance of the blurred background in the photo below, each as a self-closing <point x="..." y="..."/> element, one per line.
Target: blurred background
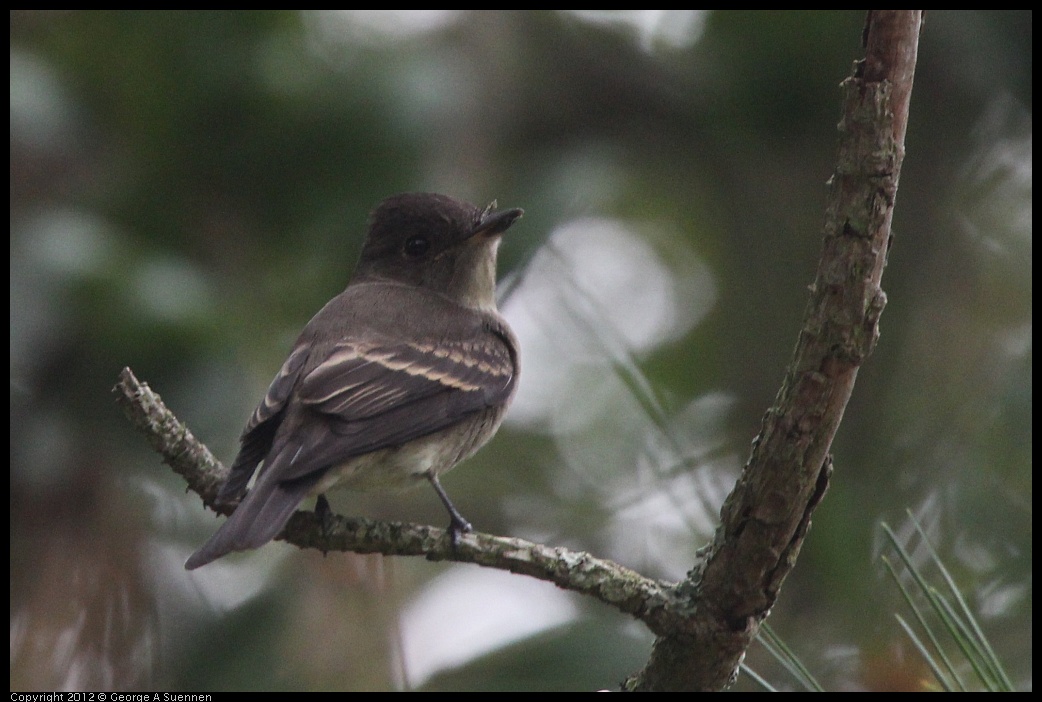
<point x="188" y="188"/>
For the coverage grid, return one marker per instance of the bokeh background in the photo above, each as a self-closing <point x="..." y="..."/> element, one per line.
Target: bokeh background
<point x="188" y="188"/>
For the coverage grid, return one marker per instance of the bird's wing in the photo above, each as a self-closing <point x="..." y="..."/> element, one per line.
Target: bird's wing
<point x="374" y="396"/>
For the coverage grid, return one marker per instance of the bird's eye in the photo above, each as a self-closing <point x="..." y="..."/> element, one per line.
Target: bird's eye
<point x="416" y="246"/>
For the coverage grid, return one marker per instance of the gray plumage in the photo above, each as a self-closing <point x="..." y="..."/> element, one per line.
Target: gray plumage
<point x="397" y="379"/>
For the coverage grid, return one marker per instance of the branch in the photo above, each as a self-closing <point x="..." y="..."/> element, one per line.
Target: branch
<point x="630" y="592"/>
<point x="766" y="517"/>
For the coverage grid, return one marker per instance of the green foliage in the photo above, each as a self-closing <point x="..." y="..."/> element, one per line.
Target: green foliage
<point x="954" y="620"/>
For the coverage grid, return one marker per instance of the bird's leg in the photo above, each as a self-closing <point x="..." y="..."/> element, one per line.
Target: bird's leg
<point x="325" y="515"/>
<point x="457" y="524"/>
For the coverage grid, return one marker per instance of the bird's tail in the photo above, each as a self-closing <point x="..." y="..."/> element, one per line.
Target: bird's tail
<point x="257" y="520"/>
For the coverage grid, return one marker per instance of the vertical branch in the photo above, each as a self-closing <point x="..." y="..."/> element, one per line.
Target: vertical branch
<point x="767" y="515"/>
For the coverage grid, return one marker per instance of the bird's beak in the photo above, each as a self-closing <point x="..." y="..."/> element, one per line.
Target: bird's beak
<point x="493" y="223"/>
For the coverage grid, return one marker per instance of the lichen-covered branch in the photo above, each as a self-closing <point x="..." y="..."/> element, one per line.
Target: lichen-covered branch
<point x="609" y="582"/>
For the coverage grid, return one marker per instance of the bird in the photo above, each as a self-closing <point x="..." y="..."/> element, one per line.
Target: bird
<point x="397" y="379"/>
